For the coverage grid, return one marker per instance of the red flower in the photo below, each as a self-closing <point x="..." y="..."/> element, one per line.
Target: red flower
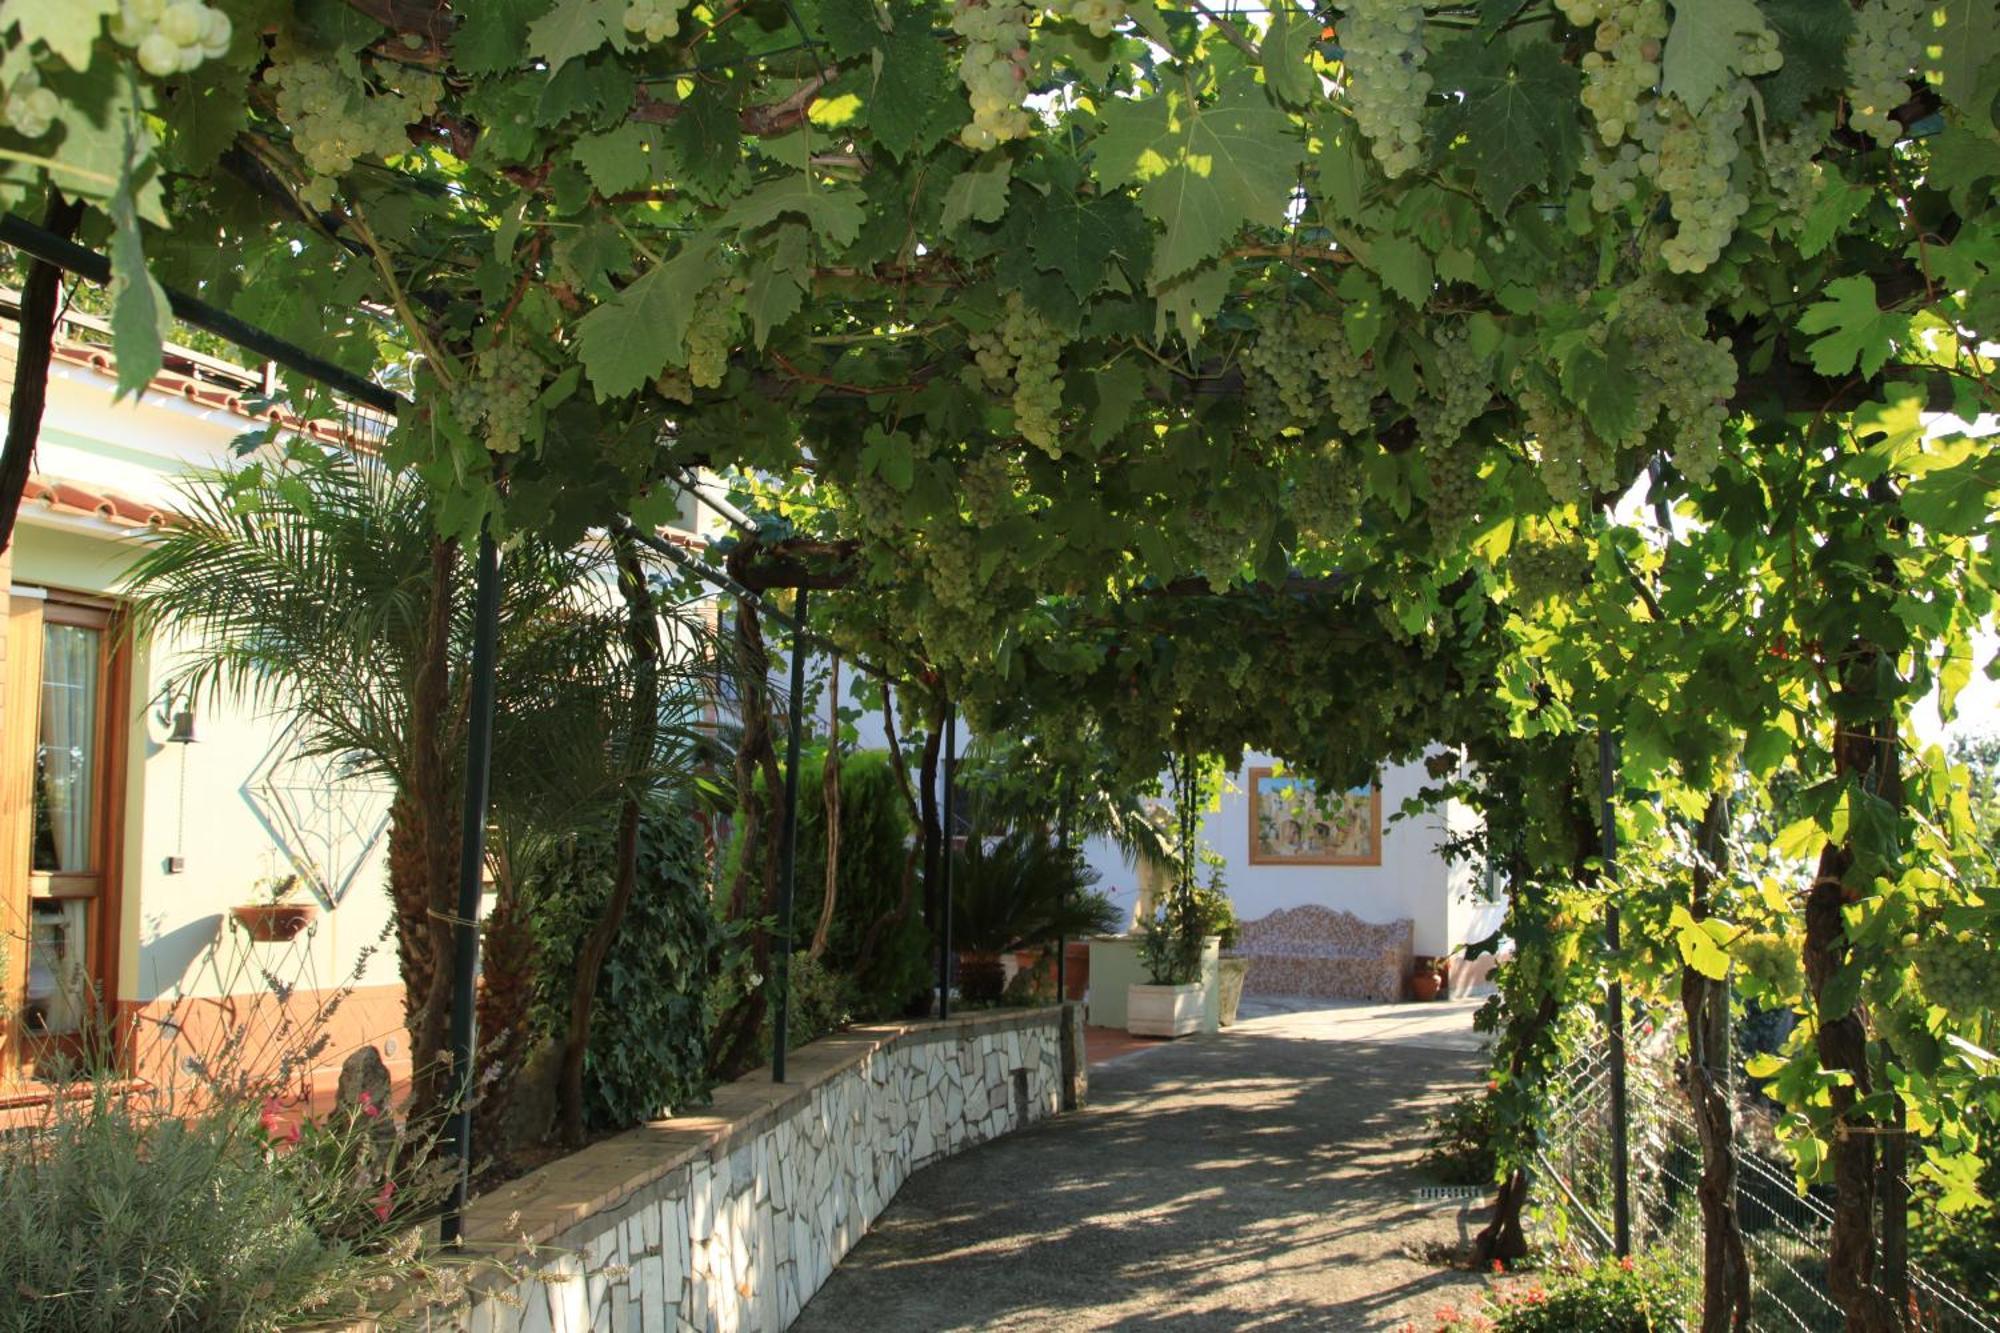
<point x="275" y="1126"/>
<point x="1625" y="1264"/>
<point x="368" y="1106"/>
<point x="1499" y="1266"/>
<point x="382" y="1200"/>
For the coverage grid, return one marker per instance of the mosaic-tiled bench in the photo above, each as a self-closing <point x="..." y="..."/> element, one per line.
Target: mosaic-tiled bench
<point x="1314" y="950"/>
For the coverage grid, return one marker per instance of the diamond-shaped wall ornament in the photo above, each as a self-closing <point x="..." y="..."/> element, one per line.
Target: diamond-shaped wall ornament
<point x="325" y="812"/>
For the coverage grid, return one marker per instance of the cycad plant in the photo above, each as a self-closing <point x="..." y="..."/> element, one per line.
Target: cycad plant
<point x="316" y="587"/>
<point x="1013" y="891"/>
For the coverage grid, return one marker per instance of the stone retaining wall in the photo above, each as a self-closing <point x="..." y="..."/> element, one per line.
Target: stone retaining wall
<point x="731" y="1218"/>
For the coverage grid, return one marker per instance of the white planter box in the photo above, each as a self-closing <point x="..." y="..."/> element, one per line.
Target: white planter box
<point x="1162" y="1011"/>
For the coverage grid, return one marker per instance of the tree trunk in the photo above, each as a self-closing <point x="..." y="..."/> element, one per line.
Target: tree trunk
<point x="507" y="966"/>
<point x="738" y="1031"/>
<point x="927" y="802"/>
<point x="34" y="345"/>
<point x="830" y="794"/>
<point x="432" y="788"/>
<point x="1842" y="1036"/>
<point x="642" y="628"/>
<point x="1725" y="1300"/>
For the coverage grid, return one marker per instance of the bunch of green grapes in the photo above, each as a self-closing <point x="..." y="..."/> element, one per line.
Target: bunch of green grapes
<point x="1793" y="171"/>
<point x="1326" y="496"/>
<point x="655" y="20"/>
<point x="1451" y="467"/>
<point x="1283" y="352"/>
<point x="1772" y="959"/>
<point x="674" y="385"/>
<point x="1221" y="537"/>
<point x="1624" y="67"/>
<point x="1691" y="156"/>
<point x="987" y="482"/>
<point x="1544" y="569"/>
<point x="711" y="333"/>
<point x="335" y="119"/>
<point x="1347" y="376"/>
<point x="31" y="109"/>
<point x="1458" y="386"/>
<point x="171" y="36"/>
<point x="1570" y="459"/>
<point x="1686" y="378"/>
<point x="1382" y="52"/>
<point x="499" y="399"/>
<point x="1882" y="54"/>
<point x="1614" y="175"/>
<point x="1100" y="16"/>
<point x="994" y="70"/>
<point x="1960" y="973"/>
<point x="876" y="508"/>
<point x="1024" y="354"/>
<point x="951" y="559"/>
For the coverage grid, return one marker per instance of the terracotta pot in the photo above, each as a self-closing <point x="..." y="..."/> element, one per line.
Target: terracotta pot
<point x="274" y="923"/>
<point x="1424" y="985"/>
<point x="981" y="976"/>
<point x="1076" y="970"/>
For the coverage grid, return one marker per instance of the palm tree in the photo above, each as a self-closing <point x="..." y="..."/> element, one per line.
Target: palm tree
<point x="319" y="588"/>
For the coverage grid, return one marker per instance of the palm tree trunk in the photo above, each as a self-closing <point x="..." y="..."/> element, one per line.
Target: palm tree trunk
<point x="433" y="790"/>
<point x="643" y="631"/>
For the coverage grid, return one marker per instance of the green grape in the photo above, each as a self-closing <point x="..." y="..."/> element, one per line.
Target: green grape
<point x="655" y="20"/>
<point x="1299" y="361"/>
<point x="994" y="69"/>
<point x="1614" y="176"/>
<point x="1100" y="16"/>
<point x="1451" y="468"/>
<point x="987" y="482"/>
<point x="1326" y="495"/>
<point x="336" y="119"/>
<point x="1222" y="541"/>
<point x="1547" y="569"/>
<point x="171" y="36"/>
<point x="1348" y="378"/>
<point x="1792" y="170"/>
<point x="1570" y="459"/>
<point x="1283" y="353"/>
<point x="1023" y="354"/>
<point x="1960" y="973"/>
<point x="1882" y="54"/>
<point x="673" y="384"/>
<point x="1685" y="379"/>
<point x="711" y="333"/>
<point x="1691" y="156"/>
<point x="1382" y="51"/>
<point x="1624" y="65"/>
<point x="1458" y="388"/>
<point x="499" y="399"/>
<point x="31" y="108"/>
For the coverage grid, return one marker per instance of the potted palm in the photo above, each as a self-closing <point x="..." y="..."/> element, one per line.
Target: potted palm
<point x="1016" y="891"/>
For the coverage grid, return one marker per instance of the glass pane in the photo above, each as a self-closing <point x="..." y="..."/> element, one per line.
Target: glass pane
<point x="58" y="987"/>
<point x="66" y="758"/>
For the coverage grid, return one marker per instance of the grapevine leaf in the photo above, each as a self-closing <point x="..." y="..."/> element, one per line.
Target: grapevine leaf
<point x="1956" y="499"/>
<point x="1697" y="946"/>
<point x="778" y="285"/>
<point x="1960" y="161"/>
<point x="1404" y="267"/>
<point x="705" y="142"/>
<point x="491" y="35"/>
<point x="1812" y="38"/>
<point x="640" y="332"/>
<point x="206" y="115"/>
<point x="68" y="27"/>
<point x="575" y="28"/>
<point x="1832" y="210"/>
<point x="889" y="455"/>
<point x="620" y="159"/>
<point x="1190" y="301"/>
<point x="916" y="103"/>
<point x="1075" y="237"/>
<point x="1855" y="330"/>
<point x="1703" y="47"/>
<point x="1515" y="123"/>
<point x="851" y="27"/>
<point x="1118" y="388"/>
<point x="835" y="211"/>
<point x="1598" y="379"/>
<point x="979" y="193"/>
<point x="1203" y="171"/>
<point x="1287" y="51"/>
<point x="1963" y="43"/>
<point x="139" y="315"/>
<point x="1344" y="176"/>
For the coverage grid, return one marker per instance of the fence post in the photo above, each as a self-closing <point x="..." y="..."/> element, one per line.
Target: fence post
<point x="1621" y="1142"/>
<point x="788" y="847"/>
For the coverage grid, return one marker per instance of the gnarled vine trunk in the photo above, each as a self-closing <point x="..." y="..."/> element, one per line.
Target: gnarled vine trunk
<point x="426" y="900"/>
<point x="830" y="797"/>
<point x="1725" y="1276"/>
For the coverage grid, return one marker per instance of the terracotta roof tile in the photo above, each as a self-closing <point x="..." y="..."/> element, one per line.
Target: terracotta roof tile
<point x="61" y="496"/>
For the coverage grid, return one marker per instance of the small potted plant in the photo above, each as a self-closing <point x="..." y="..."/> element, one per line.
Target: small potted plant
<point x="274" y="918"/>
<point x="1426" y="977"/>
<point x="1170" y="949"/>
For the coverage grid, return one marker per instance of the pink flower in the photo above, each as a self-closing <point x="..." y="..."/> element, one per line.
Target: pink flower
<point x="275" y="1126"/>
<point x="1625" y="1264"/>
<point x="382" y="1200"/>
<point x="368" y="1106"/>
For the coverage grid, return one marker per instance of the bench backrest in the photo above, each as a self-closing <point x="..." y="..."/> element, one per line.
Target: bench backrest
<point x="1312" y="928"/>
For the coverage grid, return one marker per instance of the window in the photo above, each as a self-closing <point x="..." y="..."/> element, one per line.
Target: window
<point x="63" y="727"/>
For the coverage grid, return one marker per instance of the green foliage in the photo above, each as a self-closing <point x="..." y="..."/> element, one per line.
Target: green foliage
<point x="1611" y="1296"/>
<point x="823" y="1002"/>
<point x="648" y="1042"/>
<point x="1017" y="889"/>
<point x="1460" y="1148"/>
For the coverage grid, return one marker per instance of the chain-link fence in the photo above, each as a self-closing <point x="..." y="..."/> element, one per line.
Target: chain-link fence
<point x="1784" y="1231"/>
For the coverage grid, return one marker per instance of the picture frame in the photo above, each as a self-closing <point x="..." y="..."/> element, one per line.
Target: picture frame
<point x="1291" y="825"/>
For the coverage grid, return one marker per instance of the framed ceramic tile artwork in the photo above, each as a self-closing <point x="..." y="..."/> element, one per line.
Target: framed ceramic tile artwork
<point x="1293" y="824"/>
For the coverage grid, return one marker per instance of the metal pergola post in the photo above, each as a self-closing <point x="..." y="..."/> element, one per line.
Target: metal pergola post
<point x="788" y="849"/>
<point x="1614" y="1016"/>
<point x="1062" y="844"/>
<point x="944" y="861"/>
<point x="457" y="1140"/>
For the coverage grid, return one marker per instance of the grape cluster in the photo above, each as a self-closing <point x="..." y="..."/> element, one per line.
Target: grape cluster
<point x="987" y="483"/>
<point x="1300" y="359"/>
<point x="1458" y="387"/>
<point x="1624" y="65"/>
<point x="655" y="20"/>
<point x="1326" y="494"/>
<point x="1452" y="471"/>
<point x="1544" y="569"/>
<point x="31" y="109"/>
<point x="171" y="38"/>
<point x="1960" y="974"/>
<point x="1571" y="461"/>
<point x="674" y="385"/>
<point x="1792" y="169"/>
<point x="336" y="119"/>
<point x="1614" y="176"/>
<point x="1024" y="352"/>
<point x="499" y="398"/>
<point x="1100" y="16"/>
<point x="1691" y="155"/>
<point x="1772" y="959"/>
<point x="1222" y="538"/>
<point x="1686" y="379"/>
<point x="711" y="333"/>
<point x="994" y="70"/>
<point x="1882" y="54"/>
<point x="1382" y="50"/>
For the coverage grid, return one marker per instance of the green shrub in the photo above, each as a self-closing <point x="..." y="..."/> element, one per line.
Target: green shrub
<point x="648" y="1040"/>
<point x="1612" y="1296"/>
<point x="1215" y="912"/>
<point x="1460" y="1150"/>
<point x="822" y="1003"/>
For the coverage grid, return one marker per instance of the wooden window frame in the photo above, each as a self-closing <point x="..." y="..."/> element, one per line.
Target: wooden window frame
<point x="20" y="883"/>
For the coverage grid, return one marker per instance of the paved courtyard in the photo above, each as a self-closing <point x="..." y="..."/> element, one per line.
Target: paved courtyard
<point x="1263" y="1178"/>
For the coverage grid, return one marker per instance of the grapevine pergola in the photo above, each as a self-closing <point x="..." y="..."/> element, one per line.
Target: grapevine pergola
<point x="1506" y="375"/>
